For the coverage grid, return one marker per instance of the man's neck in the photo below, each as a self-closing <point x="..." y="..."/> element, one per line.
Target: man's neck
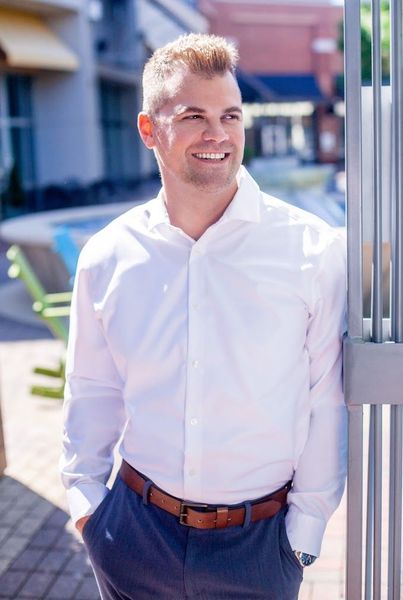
<point x="194" y="211"/>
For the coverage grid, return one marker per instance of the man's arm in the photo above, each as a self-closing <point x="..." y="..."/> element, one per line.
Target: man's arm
<point x="93" y="410"/>
<point x="320" y="474"/>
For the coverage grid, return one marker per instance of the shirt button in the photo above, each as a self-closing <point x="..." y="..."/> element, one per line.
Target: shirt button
<point x="194" y="421"/>
<point x="195" y="364"/>
<point x="196" y="305"/>
<point x="192" y="472"/>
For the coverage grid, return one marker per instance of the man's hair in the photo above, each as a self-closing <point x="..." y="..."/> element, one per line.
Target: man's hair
<point x="203" y="54"/>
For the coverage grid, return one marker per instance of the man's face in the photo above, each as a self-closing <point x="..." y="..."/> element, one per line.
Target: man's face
<point x="198" y="134"/>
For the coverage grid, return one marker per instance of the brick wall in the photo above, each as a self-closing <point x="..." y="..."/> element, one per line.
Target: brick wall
<point x="281" y="38"/>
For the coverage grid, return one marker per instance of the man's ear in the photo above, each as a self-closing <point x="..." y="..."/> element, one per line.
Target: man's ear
<point x="145" y="127"/>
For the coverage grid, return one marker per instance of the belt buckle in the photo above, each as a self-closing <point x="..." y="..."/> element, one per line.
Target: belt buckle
<point x="183" y="514"/>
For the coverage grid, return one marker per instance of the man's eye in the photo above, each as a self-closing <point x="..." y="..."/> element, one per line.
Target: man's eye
<point x="193" y="117"/>
<point x="232" y="117"/>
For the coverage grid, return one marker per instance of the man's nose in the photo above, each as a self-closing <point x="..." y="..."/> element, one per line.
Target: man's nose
<point x="215" y="131"/>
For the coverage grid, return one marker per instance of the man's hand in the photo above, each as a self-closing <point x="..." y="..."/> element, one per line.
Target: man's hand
<point x="81" y="522"/>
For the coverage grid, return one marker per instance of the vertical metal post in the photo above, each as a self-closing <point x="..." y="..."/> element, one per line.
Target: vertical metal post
<point x="395" y="504"/>
<point x="377" y="282"/>
<point x="369" y="538"/>
<point x="376" y="411"/>
<point x="396" y="438"/>
<point x="377" y="287"/>
<point x="373" y="571"/>
<point x="352" y="70"/>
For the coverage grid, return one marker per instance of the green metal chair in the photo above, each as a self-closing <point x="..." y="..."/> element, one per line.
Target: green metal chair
<point x="53" y="309"/>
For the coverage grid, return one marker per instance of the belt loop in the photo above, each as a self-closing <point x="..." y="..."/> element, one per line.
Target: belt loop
<point x="248" y="515"/>
<point x="222" y="517"/>
<point x="146" y="488"/>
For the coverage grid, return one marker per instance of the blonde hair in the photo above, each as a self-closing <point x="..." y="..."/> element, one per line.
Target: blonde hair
<point x="203" y="54"/>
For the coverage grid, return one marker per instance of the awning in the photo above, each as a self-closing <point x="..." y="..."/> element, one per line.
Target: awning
<point x="278" y="88"/>
<point x="26" y="41"/>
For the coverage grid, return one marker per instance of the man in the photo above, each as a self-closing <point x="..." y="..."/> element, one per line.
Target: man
<point x="205" y="334"/>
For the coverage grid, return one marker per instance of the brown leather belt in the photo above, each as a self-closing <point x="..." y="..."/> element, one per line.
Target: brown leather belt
<point x="204" y="516"/>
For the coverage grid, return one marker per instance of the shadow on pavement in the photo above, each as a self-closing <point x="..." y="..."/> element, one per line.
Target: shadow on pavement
<point x="40" y="557"/>
<point x="14" y="331"/>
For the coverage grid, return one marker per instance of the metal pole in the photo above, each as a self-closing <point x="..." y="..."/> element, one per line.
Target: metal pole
<point x="377" y="283"/>
<point x="369" y="546"/>
<point x="377" y="410"/>
<point x="377" y="286"/>
<point x="396" y="438"/>
<point x="397" y="178"/>
<point x="352" y="70"/>
<point x="395" y="504"/>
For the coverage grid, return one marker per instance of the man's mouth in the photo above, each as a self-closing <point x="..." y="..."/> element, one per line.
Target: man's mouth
<point x="211" y="155"/>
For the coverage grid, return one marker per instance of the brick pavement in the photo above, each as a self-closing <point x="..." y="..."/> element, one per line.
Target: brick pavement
<point x="41" y="556"/>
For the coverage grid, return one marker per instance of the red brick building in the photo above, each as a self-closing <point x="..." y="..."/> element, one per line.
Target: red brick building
<point x="288" y="52"/>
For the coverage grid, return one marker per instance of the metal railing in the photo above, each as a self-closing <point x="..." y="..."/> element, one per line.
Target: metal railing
<point x="373" y="349"/>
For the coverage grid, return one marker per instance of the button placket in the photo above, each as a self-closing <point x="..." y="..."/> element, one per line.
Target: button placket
<point x="195" y="374"/>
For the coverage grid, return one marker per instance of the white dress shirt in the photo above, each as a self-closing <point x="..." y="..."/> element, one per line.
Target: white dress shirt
<point x="217" y="362"/>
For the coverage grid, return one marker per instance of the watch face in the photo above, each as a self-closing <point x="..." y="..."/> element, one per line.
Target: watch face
<point x="305" y="559"/>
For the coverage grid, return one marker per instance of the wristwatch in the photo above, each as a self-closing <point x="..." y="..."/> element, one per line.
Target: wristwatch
<point x="304" y="559"/>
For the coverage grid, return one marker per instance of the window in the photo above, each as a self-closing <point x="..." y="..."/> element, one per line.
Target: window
<point x="17" y="165"/>
<point x="118" y="122"/>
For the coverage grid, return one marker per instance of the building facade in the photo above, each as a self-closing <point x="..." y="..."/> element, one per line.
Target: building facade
<point x="70" y="90"/>
<point x="288" y="55"/>
<point x="70" y="87"/>
<point x="69" y="93"/>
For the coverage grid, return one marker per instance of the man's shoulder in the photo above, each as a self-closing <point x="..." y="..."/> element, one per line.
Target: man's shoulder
<point x="296" y="222"/>
<point x="303" y="237"/>
<point x="109" y="241"/>
<point x="280" y="212"/>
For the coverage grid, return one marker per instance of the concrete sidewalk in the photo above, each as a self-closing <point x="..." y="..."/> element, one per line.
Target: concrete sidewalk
<point x="41" y="556"/>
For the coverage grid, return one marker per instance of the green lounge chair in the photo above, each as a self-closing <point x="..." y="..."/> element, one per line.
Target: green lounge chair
<point x="53" y="309"/>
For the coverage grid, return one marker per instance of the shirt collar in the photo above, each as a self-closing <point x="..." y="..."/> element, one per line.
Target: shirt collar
<point x="245" y="205"/>
<point x="157" y="211"/>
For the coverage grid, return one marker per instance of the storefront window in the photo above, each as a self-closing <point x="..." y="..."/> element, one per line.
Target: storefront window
<point x="119" y="132"/>
<point x="17" y="165"/>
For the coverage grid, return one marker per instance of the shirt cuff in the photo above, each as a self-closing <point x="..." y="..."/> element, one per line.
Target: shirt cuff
<point x="304" y="532"/>
<point x="84" y="498"/>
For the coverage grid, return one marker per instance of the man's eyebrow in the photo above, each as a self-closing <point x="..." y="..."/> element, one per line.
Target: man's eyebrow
<point x="197" y="109"/>
<point x="233" y="109"/>
<point x="194" y="109"/>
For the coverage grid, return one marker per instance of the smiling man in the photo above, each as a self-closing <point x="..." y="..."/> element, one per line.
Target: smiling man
<point x="205" y="337"/>
<point x="198" y="138"/>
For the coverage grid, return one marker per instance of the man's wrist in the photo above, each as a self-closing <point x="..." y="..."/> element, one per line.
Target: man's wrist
<point x="304" y="559"/>
<point x="81" y="522"/>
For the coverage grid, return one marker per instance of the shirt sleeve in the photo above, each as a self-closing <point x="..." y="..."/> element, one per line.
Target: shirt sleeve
<point x="321" y="470"/>
<point x="94" y="413"/>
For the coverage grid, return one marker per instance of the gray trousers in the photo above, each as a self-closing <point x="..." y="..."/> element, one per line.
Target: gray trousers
<point x="140" y="552"/>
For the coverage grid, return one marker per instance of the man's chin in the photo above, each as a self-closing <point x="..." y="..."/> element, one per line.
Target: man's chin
<point x="213" y="187"/>
<point x="214" y="182"/>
